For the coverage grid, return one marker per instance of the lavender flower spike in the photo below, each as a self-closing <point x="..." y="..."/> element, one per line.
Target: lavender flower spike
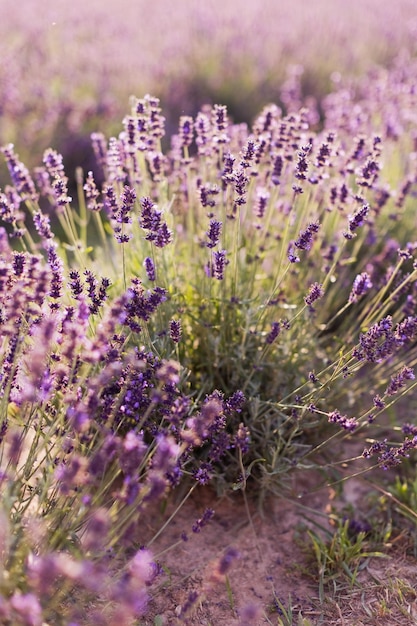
<point x="361" y="285"/>
<point x="219" y="264"/>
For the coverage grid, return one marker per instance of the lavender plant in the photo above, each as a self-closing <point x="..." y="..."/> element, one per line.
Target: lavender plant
<point x="222" y="312"/>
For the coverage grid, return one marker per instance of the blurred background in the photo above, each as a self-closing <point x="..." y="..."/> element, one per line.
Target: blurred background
<point x="68" y="67"/>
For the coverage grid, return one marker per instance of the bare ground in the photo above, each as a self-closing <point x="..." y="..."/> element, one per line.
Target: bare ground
<point x="273" y="569"/>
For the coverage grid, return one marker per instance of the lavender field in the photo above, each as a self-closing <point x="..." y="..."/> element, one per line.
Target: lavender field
<point x="208" y="298"/>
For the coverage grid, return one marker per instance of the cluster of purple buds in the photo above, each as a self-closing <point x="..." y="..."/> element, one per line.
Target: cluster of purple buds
<point x="347" y="423"/>
<point x="261" y="202"/>
<point x="175" y="330"/>
<point x="19" y="174"/>
<point x="92" y="194"/>
<point x="213" y="233"/>
<point x="356" y="220"/>
<point x="305" y="238"/>
<point x="151" y="220"/>
<point x="361" y="285"/>
<point x="186" y="130"/>
<point x="399" y="380"/>
<point x="122" y="215"/>
<point x="315" y="293"/>
<point x="273" y="333"/>
<point x="302" y="162"/>
<point x="150" y="269"/>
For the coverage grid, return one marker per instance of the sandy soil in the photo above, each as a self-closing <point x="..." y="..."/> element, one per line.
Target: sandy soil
<point x="273" y="565"/>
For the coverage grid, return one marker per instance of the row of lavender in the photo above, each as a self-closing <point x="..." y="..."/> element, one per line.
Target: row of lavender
<point x="69" y="69"/>
<point x="214" y="314"/>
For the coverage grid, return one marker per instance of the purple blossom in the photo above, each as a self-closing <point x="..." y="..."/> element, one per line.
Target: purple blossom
<point x="399" y="380"/>
<point x="377" y="343"/>
<point x="249" y="153"/>
<point x="315" y="293"/>
<point x="235" y="403"/>
<point x="175" y="330"/>
<point x="277" y="170"/>
<point x="186" y="127"/>
<point x="142" y="304"/>
<point x="203" y="474"/>
<point x="347" y="423"/>
<point x="27" y="607"/>
<point x="261" y="202"/>
<point x="357" y="219"/>
<point x="92" y="193"/>
<point x="226" y="561"/>
<point x="207" y="192"/>
<point x="242" y="438"/>
<point x="150" y="269"/>
<point x="378" y="402"/>
<point x="240" y="182"/>
<point x="60" y="192"/>
<point x="302" y="162"/>
<point x="273" y="333"/>
<point x="98" y="142"/>
<point x="405" y="330"/>
<point x="203" y="520"/>
<point x="19" y="174"/>
<point x="218" y="264"/>
<point x="361" y="285"/>
<point x="42" y="225"/>
<point x="213" y="234"/>
<point x="203" y="133"/>
<point x="151" y="220"/>
<point x="305" y="238"/>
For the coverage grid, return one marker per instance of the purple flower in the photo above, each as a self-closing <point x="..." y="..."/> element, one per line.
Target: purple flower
<point x="226" y="561"/>
<point x="405" y="330"/>
<point x="162" y="237"/>
<point x="27" y="607"/>
<point x="261" y="202"/>
<point x="175" y="330"/>
<point x="149" y="268"/>
<point x="186" y="128"/>
<point x="277" y="170"/>
<point x="206" y="192"/>
<point x="302" y="162"/>
<point x="357" y="219"/>
<point x="235" y="403"/>
<point x="213" y="234"/>
<point x="305" y="238"/>
<point x="347" y="423"/>
<point x="203" y="131"/>
<point x="42" y="225"/>
<point x="19" y="174"/>
<point x="219" y="264"/>
<point x="273" y="333"/>
<point x="203" y="520"/>
<point x="316" y="292"/>
<point x="92" y="193"/>
<point x="361" y="285"/>
<point x="242" y="438"/>
<point x="399" y="380"/>
<point x="98" y="141"/>
<point x="248" y="153"/>
<point x="75" y="283"/>
<point x="203" y="474"/>
<point x="60" y="192"/>
<point x="151" y="220"/>
<point x="127" y="201"/>
<point x="378" y="402"/>
<point x="377" y="343"/>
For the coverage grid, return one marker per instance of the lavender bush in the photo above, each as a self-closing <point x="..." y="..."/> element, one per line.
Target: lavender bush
<point x="220" y="312"/>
